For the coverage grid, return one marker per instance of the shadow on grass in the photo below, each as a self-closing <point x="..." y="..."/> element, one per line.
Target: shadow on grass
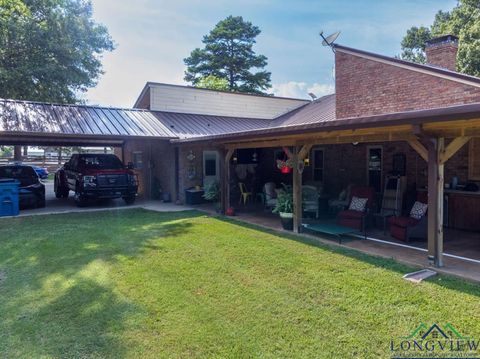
<point x="445" y="281"/>
<point x="55" y="296"/>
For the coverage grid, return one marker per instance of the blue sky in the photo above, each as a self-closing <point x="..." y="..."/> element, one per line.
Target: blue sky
<point x="154" y="36"/>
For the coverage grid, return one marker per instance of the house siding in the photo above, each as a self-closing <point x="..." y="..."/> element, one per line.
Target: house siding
<point x="206" y="102"/>
<point x="366" y="87"/>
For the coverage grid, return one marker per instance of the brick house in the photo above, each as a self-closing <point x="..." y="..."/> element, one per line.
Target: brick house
<point x="423" y="118"/>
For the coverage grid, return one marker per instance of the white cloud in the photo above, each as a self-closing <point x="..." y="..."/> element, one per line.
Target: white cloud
<point x="301" y="89"/>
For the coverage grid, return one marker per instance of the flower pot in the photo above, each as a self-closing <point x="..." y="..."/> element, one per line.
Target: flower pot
<point x="287" y="220"/>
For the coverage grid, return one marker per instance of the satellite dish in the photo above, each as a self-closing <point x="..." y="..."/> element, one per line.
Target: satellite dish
<point x="330" y="39"/>
<point x="312" y="95"/>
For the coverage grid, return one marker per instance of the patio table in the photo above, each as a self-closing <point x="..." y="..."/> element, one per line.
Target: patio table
<point x="331" y="229"/>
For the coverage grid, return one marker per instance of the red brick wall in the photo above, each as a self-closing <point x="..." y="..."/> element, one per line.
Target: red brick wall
<point x="161" y="155"/>
<point x="367" y="87"/>
<point x="442" y="55"/>
<point x="347" y="164"/>
<point x="184" y="166"/>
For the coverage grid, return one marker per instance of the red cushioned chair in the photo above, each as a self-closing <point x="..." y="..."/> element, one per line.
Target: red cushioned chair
<point x="356" y="219"/>
<point x="404" y="228"/>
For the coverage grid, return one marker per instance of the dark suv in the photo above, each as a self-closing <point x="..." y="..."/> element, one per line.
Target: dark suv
<point x="96" y="176"/>
<point x="31" y="189"/>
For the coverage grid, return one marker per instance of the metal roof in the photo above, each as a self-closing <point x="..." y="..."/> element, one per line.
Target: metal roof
<point x="36" y="117"/>
<point x="320" y="110"/>
<point x="190" y="126"/>
<point x="414" y="117"/>
<point x="186" y="126"/>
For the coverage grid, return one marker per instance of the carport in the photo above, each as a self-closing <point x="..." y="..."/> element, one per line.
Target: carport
<point x="24" y="123"/>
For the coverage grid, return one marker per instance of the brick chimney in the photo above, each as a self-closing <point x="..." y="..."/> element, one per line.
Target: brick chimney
<point x="442" y="52"/>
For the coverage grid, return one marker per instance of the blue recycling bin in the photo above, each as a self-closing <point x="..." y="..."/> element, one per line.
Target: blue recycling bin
<point x="9" y="201"/>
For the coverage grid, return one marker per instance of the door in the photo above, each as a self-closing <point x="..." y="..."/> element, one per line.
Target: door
<point x="375" y="167"/>
<point x="210" y="167"/>
<point x="70" y="172"/>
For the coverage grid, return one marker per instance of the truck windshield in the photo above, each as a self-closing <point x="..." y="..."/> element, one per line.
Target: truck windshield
<point x="101" y="162"/>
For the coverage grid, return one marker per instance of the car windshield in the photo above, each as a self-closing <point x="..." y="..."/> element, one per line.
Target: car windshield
<point x="25" y="174"/>
<point x="101" y="162"/>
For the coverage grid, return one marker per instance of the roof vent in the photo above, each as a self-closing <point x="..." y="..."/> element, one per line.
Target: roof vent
<point x="442" y="52"/>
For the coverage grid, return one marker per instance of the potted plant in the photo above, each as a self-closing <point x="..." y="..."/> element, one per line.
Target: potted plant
<point x="284" y="207"/>
<point x="212" y="194"/>
<point x="285" y="166"/>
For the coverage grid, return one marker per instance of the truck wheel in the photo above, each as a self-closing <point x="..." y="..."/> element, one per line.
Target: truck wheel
<point x="79" y="200"/>
<point x="129" y="200"/>
<point x="60" y="192"/>
<point x="64" y="192"/>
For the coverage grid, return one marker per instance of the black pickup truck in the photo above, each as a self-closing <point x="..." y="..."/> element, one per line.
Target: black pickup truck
<point x="96" y="176"/>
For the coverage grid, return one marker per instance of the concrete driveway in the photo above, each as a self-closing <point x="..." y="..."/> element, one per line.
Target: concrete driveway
<point x="66" y="205"/>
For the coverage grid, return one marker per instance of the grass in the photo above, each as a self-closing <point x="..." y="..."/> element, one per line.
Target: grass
<point x="135" y="283"/>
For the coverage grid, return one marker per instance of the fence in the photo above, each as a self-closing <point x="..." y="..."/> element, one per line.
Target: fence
<point x="51" y="162"/>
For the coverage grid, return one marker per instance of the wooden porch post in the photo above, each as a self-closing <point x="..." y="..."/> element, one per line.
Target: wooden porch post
<point x="297" y="191"/>
<point x="225" y="179"/>
<point x="435" y="201"/>
<point x="17" y="153"/>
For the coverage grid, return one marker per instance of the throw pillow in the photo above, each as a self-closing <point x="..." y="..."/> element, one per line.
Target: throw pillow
<point x="418" y="210"/>
<point x="358" y="204"/>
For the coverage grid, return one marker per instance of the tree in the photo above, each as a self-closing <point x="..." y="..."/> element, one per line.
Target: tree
<point x="228" y="54"/>
<point x="49" y="49"/>
<point x="462" y="21"/>
<point x="213" y="82"/>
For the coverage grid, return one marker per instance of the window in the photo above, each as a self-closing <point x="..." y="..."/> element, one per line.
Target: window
<point x="210" y="167"/>
<point x="317" y="165"/>
<point x="137" y="160"/>
<point x="101" y="161"/>
<point x="374" y="167"/>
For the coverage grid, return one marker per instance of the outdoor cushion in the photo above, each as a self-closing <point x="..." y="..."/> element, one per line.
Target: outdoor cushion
<point x="351" y="214"/>
<point x="418" y="210"/>
<point x="403" y="221"/>
<point x="358" y="204"/>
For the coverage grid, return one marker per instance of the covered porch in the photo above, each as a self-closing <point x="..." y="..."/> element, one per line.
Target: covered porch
<point x="432" y="143"/>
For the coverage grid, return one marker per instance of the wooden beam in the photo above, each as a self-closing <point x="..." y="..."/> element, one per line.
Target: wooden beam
<point x="419" y="148"/>
<point x="323" y="140"/>
<point x="297" y="192"/>
<point x="435" y="202"/>
<point x="288" y="152"/>
<point x="304" y="151"/>
<point x="453" y="148"/>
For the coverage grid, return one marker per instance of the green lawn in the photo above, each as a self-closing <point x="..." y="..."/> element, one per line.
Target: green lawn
<point x="135" y="283"/>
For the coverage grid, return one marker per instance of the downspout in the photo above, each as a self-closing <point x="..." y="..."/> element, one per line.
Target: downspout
<point x="177" y="174"/>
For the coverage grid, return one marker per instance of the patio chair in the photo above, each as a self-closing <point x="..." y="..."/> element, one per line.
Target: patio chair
<point x="310" y="200"/>
<point x="392" y="199"/>
<point x="336" y="205"/>
<point x="270" y="195"/>
<point x="404" y="228"/>
<point x="244" y="193"/>
<point x="356" y="217"/>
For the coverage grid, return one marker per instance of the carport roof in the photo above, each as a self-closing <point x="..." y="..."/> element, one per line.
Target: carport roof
<point x="43" y="118"/>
